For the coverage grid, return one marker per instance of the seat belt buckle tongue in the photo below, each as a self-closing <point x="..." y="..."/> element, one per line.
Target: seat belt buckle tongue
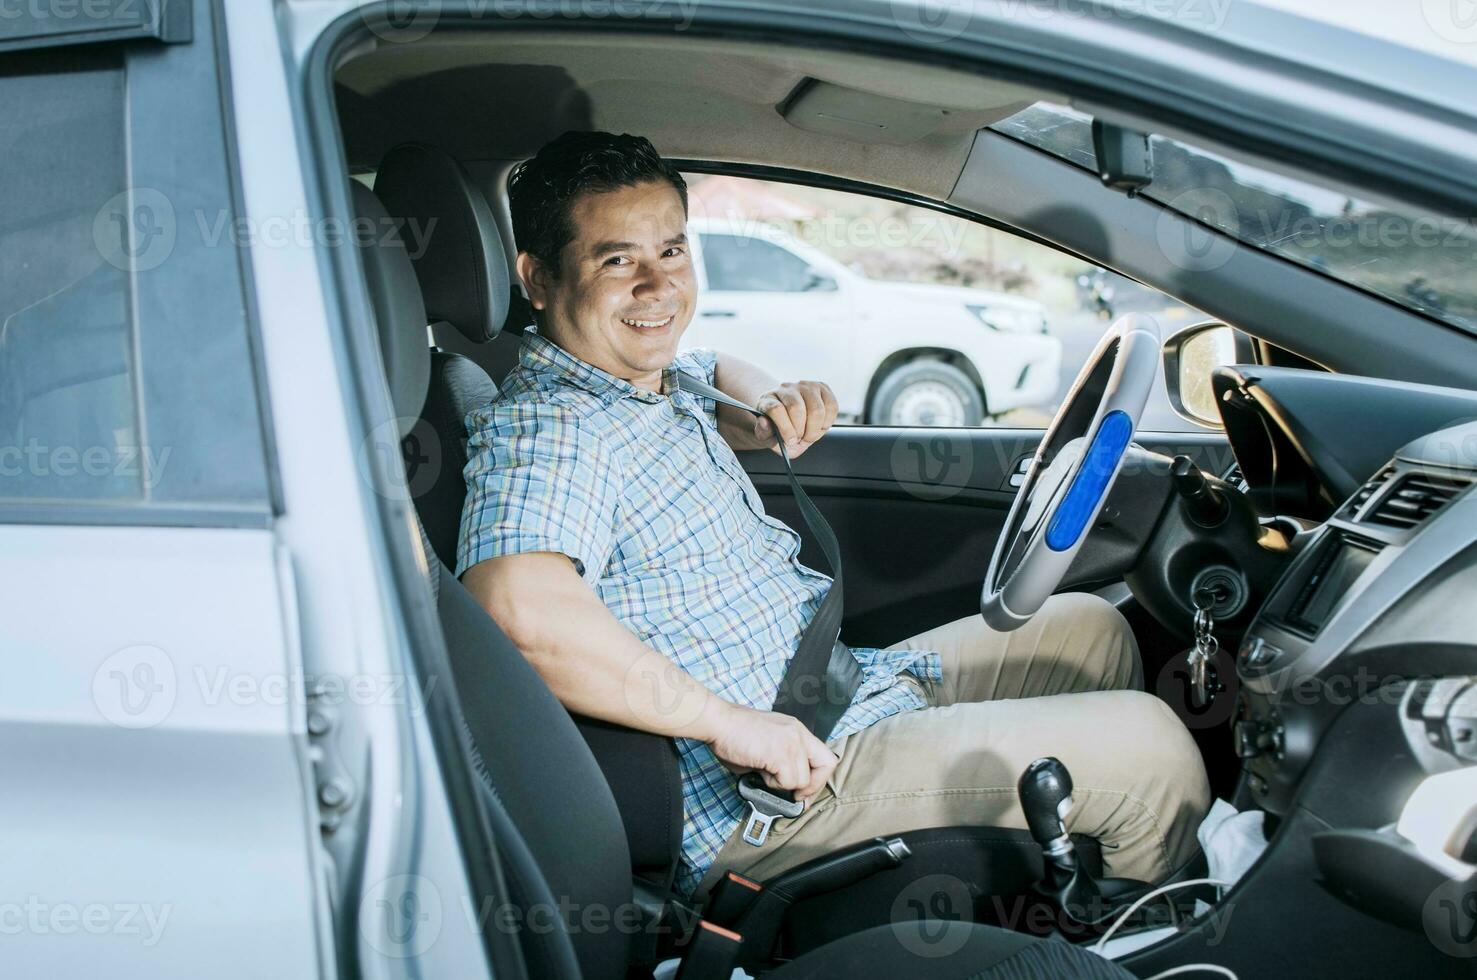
<point x="765" y="806"/>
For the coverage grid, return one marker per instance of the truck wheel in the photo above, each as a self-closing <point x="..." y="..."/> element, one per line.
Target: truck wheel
<point x="927" y="393"/>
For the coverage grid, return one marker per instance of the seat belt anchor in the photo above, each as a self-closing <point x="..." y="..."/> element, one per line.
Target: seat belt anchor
<point x="765" y="806"/>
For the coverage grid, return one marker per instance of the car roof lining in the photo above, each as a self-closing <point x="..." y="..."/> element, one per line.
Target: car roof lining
<point x="490" y="95"/>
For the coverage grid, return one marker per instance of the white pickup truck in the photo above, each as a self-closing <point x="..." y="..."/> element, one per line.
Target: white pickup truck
<point x="960" y="356"/>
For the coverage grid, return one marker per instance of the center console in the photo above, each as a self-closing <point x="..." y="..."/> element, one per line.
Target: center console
<point x="1373" y="597"/>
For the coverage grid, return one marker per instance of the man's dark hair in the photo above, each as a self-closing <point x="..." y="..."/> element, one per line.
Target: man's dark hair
<point x="541" y="190"/>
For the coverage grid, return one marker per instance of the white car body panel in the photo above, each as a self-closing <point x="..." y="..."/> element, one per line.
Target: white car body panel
<point x="158" y="693"/>
<point x="844" y="336"/>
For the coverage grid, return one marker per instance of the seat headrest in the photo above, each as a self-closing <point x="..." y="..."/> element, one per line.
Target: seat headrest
<point x="459" y="259"/>
<point x="399" y="313"/>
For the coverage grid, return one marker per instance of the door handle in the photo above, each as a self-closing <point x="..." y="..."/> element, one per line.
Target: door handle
<point x="728" y="313"/>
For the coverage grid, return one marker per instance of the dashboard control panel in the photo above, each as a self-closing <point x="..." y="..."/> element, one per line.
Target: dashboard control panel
<point x="1315" y="645"/>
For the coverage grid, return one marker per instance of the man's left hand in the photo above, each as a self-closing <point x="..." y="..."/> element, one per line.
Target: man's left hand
<point x="801" y="411"/>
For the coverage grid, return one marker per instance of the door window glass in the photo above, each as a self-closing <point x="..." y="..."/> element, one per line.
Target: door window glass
<point x="68" y="426"/>
<point x="741" y="263"/>
<point x="924" y="318"/>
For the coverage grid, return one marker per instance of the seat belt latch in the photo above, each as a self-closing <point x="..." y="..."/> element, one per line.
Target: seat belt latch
<point x="765" y="806"/>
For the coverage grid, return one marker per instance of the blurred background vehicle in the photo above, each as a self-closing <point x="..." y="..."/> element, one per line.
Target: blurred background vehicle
<point x="962" y="353"/>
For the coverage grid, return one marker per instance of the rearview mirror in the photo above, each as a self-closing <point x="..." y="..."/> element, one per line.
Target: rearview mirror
<point x="1189" y="358"/>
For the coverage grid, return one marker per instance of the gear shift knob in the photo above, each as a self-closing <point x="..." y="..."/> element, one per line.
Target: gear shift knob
<point x="1046" y="796"/>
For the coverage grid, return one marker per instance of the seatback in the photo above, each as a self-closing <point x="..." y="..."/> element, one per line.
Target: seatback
<point x="463" y="274"/>
<point x="457" y="385"/>
<point x="562" y="839"/>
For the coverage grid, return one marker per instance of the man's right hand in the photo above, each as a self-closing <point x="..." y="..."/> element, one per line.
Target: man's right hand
<point x="779" y="748"/>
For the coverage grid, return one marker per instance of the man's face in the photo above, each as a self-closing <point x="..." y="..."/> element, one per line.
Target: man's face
<point x="625" y="291"/>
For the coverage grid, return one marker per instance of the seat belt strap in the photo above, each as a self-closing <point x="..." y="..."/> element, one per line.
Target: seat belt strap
<point x="823" y="676"/>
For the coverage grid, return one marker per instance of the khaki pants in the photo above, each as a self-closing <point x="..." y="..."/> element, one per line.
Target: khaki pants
<point x="1053" y="687"/>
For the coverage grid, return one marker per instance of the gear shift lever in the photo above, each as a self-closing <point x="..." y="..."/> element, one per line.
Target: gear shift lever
<point x="1046" y="797"/>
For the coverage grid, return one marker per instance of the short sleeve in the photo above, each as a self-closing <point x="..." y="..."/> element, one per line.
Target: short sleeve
<point x="537" y="480"/>
<point x="702" y="363"/>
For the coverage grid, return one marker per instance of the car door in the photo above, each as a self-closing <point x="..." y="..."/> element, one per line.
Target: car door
<point x="762" y="300"/>
<point x="158" y="812"/>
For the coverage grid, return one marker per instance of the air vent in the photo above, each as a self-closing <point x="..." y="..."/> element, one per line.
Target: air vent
<point x="1416" y="497"/>
<point x="1362" y="495"/>
<point x="1234" y="478"/>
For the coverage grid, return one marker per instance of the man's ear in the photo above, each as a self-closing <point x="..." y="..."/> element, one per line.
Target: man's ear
<point x="535" y="278"/>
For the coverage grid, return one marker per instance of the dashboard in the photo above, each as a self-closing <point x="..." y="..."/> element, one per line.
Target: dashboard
<point x="1305" y="441"/>
<point x="1380" y="590"/>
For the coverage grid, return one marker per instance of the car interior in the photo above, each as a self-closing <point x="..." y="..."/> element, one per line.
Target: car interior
<point x="1320" y="524"/>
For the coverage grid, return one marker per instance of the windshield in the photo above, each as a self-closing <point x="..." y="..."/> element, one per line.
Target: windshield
<point x="1421" y="261"/>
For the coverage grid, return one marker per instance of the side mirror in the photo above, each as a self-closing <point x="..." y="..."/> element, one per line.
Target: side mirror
<point x="818" y="282"/>
<point x="1189" y="357"/>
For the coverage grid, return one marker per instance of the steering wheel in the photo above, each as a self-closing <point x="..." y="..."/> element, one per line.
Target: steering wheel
<point x="1072" y="472"/>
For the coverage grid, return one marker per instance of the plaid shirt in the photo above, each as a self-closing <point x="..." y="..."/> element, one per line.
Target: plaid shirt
<point x="651" y="504"/>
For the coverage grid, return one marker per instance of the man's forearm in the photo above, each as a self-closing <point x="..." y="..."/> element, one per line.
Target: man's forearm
<point x="745" y="382"/>
<point x="797" y="412"/>
<point x="597" y="667"/>
<point x="594" y="665"/>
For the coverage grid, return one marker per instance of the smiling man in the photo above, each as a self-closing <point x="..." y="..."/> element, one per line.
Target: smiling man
<point x="611" y="532"/>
